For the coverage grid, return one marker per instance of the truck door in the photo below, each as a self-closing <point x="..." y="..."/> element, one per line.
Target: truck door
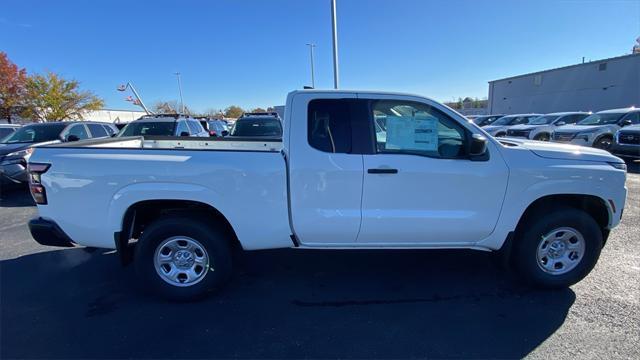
<point x="420" y="188"/>
<point x="325" y="169"/>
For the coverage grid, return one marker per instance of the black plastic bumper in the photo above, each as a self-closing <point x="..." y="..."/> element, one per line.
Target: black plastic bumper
<point x="48" y="233"/>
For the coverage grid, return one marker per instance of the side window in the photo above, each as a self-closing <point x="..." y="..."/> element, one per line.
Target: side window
<point x="634" y="117"/>
<point x="572" y="119"/>
<point x="79" y="131"/>
<point x="97" y="130"/>
<point x="110" y="131"/>
<point x="329" y="125"/>
<point x="416" y="128"/>
<point x="181" y="128"/>
<point x="522" y="120"/>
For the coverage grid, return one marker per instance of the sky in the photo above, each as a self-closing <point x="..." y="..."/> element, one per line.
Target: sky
<point x="252" y="52"/>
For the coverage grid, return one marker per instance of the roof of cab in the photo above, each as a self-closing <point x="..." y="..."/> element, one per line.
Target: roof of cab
<point x="621" y="110"/>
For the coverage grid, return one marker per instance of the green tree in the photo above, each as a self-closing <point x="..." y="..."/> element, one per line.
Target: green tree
<point x="52" y="98"/>
<point x="12" y="86"/>
<point x="233" y="111"/>
<point x="258" y="109"/>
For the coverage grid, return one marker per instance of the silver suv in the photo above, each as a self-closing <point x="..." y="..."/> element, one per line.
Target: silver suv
<point x="541" y="127"/>
<point x="597" y="130"/>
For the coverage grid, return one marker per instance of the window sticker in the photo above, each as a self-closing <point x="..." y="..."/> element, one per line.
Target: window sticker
<point x="412" y="133"/>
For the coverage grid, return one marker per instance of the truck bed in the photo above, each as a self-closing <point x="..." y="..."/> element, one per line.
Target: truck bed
<point x="91" y="184"/>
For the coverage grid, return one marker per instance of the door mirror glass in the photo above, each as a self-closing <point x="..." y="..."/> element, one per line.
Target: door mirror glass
<point x="72" y="137"/>
<point x="477" y="146"/>
<point x="626" y="122"/>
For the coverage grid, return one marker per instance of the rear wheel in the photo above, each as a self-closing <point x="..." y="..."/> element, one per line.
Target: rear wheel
<point x="182" y="258"/>
<point x="542" y="137"/>
<point x="558" y="249"/>
<point x="603" y="143"/>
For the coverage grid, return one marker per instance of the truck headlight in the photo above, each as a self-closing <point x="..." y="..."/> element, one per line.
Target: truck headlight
<point x="21" y="153"/>
<point x="619" y="166"/>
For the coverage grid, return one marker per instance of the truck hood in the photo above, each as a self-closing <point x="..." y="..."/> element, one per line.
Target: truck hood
<point x="564" y="151"/>
<point x="577" y="128"/>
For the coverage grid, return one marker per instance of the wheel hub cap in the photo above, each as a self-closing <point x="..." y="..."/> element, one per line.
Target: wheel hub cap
<point x="181" y="261"/>
<point x="560" y="250"/>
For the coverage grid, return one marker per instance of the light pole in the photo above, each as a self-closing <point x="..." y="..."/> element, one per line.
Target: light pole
<point x="180" y="89"/>
<point x="313" y="76"/>
<point x="130" y="86"/>
<point x="334" y="27"/>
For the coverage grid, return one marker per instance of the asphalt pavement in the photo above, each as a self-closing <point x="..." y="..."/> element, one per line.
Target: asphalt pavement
<point x="74" y="303"/>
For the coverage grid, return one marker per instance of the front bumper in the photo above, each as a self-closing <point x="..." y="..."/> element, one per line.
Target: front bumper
<point x="48" y="233"/>
<point x="625" y="150"/>
<point x="15" y="172"/>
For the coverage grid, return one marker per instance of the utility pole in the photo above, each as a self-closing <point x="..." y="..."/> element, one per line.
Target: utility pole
<point x="334" y="27"/>
<point x="313" y="76"/>
<point x="180" y="89"/>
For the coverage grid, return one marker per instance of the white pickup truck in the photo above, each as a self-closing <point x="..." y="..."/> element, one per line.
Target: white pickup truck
<point x="354" y="170"/>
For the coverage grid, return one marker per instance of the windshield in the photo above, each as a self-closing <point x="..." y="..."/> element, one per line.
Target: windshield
<point x="257" y="127"/>
<point x="544" y="120"/>
<point x="601" y="119"/>
<point x="161" y="128"/>
<point x="35" y="133"/>
<point x="505" y="120"/>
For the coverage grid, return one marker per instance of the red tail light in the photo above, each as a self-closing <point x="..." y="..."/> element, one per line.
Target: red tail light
<point x="213" y="133"/>
<point x="38" y="192"/>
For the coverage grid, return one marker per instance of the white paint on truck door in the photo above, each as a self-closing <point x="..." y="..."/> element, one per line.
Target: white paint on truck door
<point x="325" y="186"/>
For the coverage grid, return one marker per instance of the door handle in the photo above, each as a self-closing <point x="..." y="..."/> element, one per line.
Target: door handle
<point x="382" y="171"/>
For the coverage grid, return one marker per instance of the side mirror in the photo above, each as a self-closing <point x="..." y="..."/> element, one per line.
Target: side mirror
<point x="184" y="133"/>
<point x="560" y="123"/>
<point x="626" y="122"/>
<point x="71" y="138"/>
<point x="225" y="133"/>
<point x="478" y="148"/>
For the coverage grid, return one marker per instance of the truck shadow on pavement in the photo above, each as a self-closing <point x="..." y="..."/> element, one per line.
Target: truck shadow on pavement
<point x="280" y="304"/>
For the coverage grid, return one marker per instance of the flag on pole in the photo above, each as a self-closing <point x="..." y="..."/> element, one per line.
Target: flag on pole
<point x="122" y="87"/>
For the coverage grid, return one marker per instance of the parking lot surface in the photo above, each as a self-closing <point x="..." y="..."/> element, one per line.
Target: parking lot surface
<point x="73" y="303"/>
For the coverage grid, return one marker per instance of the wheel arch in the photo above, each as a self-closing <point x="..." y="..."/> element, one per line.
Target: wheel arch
<point x="593" y="205"/>
<point x="142" y="213"/>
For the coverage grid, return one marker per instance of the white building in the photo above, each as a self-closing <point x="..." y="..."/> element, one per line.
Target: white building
<point x="114" y="116"/>
<point x="592" y="86"/>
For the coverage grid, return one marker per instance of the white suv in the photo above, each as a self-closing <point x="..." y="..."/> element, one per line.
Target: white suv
<point x="598" y="129"/>
<point x="542" y="127"/>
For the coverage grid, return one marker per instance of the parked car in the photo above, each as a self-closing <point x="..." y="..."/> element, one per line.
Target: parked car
<point x="218" y="128"/>
<point x="435" y="181"/>
<point x="6" y="129"/>
<point x="16" y="148"/>
<point x="598" y="129"/>
<point x="541" y="127"/>
<point x="627" y="142"/>
<point x="485" y="120"/>
<point x="499" y="127"/>
<point x="258" y="125"/>
<point x="164" y="125"/>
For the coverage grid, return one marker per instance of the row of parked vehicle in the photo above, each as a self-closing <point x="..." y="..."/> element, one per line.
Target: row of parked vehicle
<point x="616" y="130"/>
<point x="17" y="142"/>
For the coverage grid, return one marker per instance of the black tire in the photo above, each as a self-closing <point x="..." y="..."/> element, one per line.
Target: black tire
<point x="529" y="237"/>
<point x="215" y="243"/>
<point x="603" y="143"/>
<point x="542" y="137"/>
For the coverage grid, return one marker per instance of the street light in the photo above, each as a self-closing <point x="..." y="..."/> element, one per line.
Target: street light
<point x="129" y="85"/>
<point x="334" y="28"/>
<point x="313" y="76"/>
<point x="180" y="89"/>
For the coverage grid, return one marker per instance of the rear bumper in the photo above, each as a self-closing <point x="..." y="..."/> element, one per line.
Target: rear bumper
<point x="48" y="233"/>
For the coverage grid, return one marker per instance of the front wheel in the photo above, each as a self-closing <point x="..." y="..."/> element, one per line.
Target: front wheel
<point x="542" y="137"/>
<point x="603" y="143"/>
<point x="558" y="249"/>
<point x="182" y="258"/>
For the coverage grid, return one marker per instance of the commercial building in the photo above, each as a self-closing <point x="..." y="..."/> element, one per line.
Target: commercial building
<point x="591" y="86"/>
